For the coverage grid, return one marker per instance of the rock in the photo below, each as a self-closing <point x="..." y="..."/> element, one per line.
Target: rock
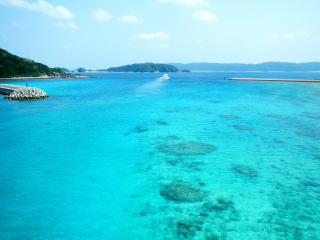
<point x="188" y="228"/>
<point x="220" y="205"/>
<point x="187" y="148"/>
<point x="173" y="162"/>
<point x="245" y="170"/>
<point x="160" y="122"/>
<point x="242" y="127"/>
<point x="280" y="117"/>
<point x="195" y="165"/>
<point x="229" y="116"/>
<point x="27" y="93"/>
<point x="141" y="129"/>
<point x="212" y="236"/>
<point x="179" y="191"/>
<point x="214" y="101"/>
<point x="312" y="133"/>
<point x="171" y="138"/>
<point x="211" y="207"/>
<point x="310" y="183"/>
<point x="312" y="115"/>
<point x="204" y="214"/>
<point x="173" y="110"/>
<point x="143" y="213"/>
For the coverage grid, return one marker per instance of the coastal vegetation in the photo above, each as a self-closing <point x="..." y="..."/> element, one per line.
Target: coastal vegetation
<point x="14" y="66"/>
<point x="144" y="67"/>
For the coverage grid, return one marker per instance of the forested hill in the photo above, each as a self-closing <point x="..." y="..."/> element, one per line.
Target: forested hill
<point x="14" y="66"/>
<point x="144" y="67"/>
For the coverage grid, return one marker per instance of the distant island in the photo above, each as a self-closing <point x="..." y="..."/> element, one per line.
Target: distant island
<point x="144" y="67"/>
<point x="267" y="66"/>
<point x="15" y="67"/>
<point x="12" y="66"/>
<point x="187" y="67"/>
<point x="81" y="69"/>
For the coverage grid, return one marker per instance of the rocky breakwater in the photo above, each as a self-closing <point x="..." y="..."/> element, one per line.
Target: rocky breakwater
<point x="26" y="93"/>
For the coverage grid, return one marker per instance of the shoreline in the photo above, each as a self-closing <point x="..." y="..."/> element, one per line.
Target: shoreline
<point x="47" y="77"/>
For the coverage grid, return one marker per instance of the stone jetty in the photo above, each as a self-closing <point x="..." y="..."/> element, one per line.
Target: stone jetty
<point x="15" y="92"/>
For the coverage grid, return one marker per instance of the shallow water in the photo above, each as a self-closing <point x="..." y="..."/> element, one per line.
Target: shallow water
<point x="96" y="160"/>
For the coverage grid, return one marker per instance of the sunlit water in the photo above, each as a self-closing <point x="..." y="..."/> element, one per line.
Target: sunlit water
<point x="92" y="162"/>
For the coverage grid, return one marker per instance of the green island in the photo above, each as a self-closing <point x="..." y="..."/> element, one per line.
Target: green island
<point x="144" y="67"/>
<point x="14" y="66"/>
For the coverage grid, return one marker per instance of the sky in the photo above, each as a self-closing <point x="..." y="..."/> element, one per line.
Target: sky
<point x="98" y="34"/>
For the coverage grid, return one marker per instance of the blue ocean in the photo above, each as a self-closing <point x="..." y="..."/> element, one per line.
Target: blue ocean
<point x="132" y="156"/>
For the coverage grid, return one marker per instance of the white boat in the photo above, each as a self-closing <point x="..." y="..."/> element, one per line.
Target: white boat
<point x="165" y="76"/>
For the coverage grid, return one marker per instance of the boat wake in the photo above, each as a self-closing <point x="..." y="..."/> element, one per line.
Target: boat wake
<point x="155" y="84"/>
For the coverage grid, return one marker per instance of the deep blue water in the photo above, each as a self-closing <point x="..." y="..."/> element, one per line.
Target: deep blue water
<point x="91" y="162"/>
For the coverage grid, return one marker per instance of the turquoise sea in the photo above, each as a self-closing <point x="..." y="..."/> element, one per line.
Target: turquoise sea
<point x="134" y="157"/>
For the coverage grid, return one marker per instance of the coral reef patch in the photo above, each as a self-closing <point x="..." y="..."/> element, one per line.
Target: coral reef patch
<point x="312" y="115"/>
<point x="141" y="129"/>
<point x="230" y="116"/>
<point x="161" y="122"/>
<point x="243" y="127"/>
<point x="277" y="116"/>
<point x="311" y="183"/>
<point x="187" y="148"/>
<point x="187" y="229"/>
<point x="245" y="170"/>
<point x="221" y="204"/>
<point x="179" y="191"/>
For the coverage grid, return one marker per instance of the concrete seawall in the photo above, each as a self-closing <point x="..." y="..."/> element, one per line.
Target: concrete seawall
<point x="15" y="92"/>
